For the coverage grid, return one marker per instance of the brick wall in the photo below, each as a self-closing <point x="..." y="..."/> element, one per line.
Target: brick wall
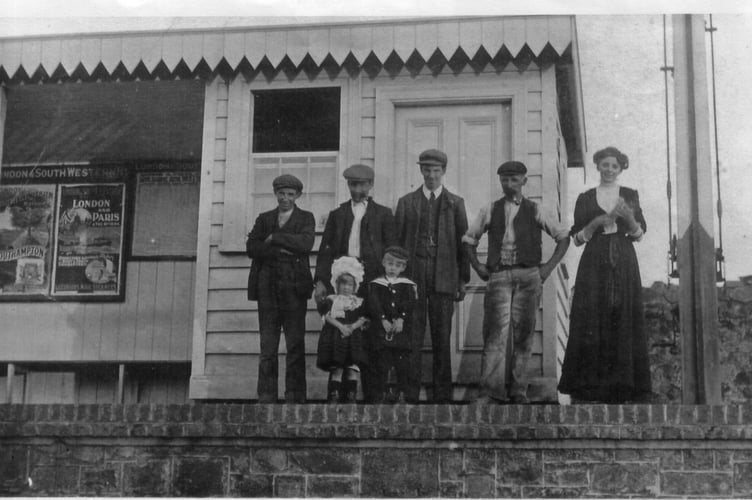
<point x="735" y="340"/>
<point x="375" y="451"/>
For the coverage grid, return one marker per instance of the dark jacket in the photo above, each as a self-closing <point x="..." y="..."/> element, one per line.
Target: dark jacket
<point x="452" y="266"/>
<point x="295" y="236"/>
<point x="391" y="301"/>
<point x="376" y="234"/>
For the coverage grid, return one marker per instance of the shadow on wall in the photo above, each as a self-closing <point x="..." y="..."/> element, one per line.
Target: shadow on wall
<point x="735" y="335"/>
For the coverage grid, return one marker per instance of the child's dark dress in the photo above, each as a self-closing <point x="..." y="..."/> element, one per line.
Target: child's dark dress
<point x="334" y="350"/>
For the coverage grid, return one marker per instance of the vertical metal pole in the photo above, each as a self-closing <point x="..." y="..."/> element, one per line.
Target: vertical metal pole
<point x="9" y="383"/>
<point x="121" y="384"/>
<point x="698" y="303"/>
<point x="3" y="111"/>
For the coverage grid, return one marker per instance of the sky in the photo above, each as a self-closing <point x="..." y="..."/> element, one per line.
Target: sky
<point x="621" y="53"/>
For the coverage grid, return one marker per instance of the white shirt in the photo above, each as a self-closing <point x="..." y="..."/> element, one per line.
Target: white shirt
<point x="607" y="198"/>
<point x="436" y="192"/>
<point x="353" y="244"/>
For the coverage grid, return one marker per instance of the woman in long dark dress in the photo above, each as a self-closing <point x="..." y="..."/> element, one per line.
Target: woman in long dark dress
<point x="606" y="358"/>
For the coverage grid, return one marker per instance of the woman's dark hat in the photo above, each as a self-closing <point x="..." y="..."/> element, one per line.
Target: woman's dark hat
<point x="512" y="168"/>
<point x="431" y="157"/>
<point x="358" y="172"/>
<point x="398" y="252"/>
<point x="287" y="181"/>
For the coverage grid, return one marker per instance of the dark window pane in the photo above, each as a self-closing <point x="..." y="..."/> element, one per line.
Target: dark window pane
<point x="296" y="120"/>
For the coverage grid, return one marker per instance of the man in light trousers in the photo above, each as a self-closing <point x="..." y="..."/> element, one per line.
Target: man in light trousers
<point x="514" y="273"/>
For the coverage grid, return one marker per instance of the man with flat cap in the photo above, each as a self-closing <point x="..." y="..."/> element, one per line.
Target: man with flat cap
<point x="514" y="273"/>
<point x="430" y="224"/>
<point x="360" y="228"/>
<point x="280" y="281"/>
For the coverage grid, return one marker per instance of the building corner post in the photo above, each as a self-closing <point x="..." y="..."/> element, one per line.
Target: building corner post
<point x="698" y="302"/>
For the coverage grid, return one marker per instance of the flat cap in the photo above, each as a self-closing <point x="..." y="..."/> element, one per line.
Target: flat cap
<point x="358" y="172"/>
<point x="512" y="168"/>
<point x="287" y="181"/>
<point x="432" y="157"/>
<point x="397" y="252"/>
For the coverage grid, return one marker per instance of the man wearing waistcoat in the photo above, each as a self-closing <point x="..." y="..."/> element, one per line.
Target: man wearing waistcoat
<point x="360" y="228"/>
<point x="280" y="280"/>
<point x="514" y="273"/>
<point x="430" y="225"/>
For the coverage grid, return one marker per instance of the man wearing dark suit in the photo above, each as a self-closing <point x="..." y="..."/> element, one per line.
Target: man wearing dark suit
<point x="430" y="224"/>
<point x="280" y="280"/>
<point x="359" y="228"/>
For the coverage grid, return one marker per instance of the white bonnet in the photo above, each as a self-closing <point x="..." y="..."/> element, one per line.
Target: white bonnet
<point x="347" y="265"/>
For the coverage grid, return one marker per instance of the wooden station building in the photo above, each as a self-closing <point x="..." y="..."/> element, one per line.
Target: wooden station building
<point x="134" y="164"/>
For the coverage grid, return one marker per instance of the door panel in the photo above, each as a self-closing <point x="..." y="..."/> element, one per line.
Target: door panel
<point x="420" y="132"/>
<point x="476" y="139"/>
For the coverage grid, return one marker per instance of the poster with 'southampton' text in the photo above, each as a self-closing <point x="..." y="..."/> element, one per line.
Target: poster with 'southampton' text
<point x="89" y="244"/>
<point x="25" y="235"/>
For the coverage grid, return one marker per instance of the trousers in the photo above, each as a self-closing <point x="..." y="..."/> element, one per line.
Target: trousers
<point x="436" y="310"/>
<point x="509" y="309"/>
<point x="399" y="359"/>
<point x="281" y="309"/>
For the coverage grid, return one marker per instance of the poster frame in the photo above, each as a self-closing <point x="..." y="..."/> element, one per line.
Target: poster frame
<point x="40" y="295"/>
<point x="119" y="294"/>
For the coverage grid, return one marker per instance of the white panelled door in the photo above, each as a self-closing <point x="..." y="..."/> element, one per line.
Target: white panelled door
<point x="476" y="139"/>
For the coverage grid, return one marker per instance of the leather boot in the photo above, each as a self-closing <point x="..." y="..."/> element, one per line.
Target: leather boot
<point x="351" y="391"/>
<point x="333" y="392"/>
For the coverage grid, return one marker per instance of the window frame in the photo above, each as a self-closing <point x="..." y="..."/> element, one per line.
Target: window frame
<point x="256" y="92"/>
<point x="150" y="168"/>
<point x="233" y="105"/>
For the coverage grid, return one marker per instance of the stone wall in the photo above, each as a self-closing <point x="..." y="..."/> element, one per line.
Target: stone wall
<point x="735" y="332"/>
<point x="376" y="451"/>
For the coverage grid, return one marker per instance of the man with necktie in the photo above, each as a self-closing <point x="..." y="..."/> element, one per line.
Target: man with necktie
<point x="430" y="224"/>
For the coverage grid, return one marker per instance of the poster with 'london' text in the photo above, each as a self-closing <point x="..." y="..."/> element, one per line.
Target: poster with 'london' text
<point x="88" y="251"/>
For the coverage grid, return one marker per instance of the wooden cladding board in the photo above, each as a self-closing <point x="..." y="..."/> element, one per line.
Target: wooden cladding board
<point x="152" y="324"/>
<point x="231" y="334"/>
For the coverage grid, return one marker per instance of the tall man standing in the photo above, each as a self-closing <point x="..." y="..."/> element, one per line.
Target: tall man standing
<point x="280" y="280"/>
<point x="514" y="273"/>
<point x="359" y="228"/>
<point x="430" y="225"/>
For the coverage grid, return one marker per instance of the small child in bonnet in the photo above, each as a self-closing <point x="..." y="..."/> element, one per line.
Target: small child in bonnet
<point x="340" y="348"/>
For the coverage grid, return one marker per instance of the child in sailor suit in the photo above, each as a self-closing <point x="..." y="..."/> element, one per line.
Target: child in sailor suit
<point x="391" y="302"/>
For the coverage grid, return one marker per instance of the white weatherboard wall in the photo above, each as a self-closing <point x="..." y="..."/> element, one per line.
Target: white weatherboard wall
<point x="226" y="331"/>
<point x="151" y="324"/>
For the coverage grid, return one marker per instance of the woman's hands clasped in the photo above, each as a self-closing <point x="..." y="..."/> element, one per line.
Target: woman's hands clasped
<point x="598" y="222"/>
<point x="624" y="211"/>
